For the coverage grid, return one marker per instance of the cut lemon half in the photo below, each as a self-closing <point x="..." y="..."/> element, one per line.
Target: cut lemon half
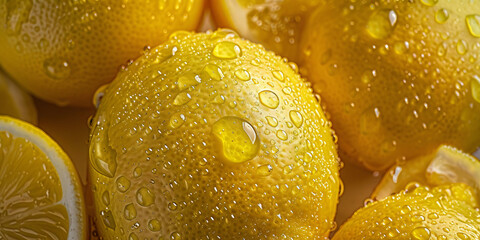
<point x="444" y="166"/>
<point x="15" y="101"/>
<point x="40" y="192"/>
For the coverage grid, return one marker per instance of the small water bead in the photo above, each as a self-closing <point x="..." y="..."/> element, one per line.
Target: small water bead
<point x="475" y="86"/>
<point x="272" y="121"/>
<point x="381" y="23"/>
<point x="175" y="236"/>
<point x="56" y="68"/>
<point x="462" y="47"/>
<point x="227" y="50"/>
<point x="106" y="198"/>
<point x="442" y="15"/>
<point x="145" y="197"/>
<point x="172" y="206"/>
<point x="154" y="225"/>
<point x="187" y="81"/>
<point x="182" y="99"/>
<point x="269" y="99"/>
<point x="137" y="172"/>
<point x="219" y="99"/>
<point x="123" y="184"/>
<point x="429" y="2"/>
<point x="177" y="120"/>
<point x="296" y="118"/>
<point x="370" y="121"/>
<point x="242" y="74"/>
<point x="108" y="219"/>
<point x="239" y="140"/>
<point x="264" y="170"/>
<point x="401" y="47"/>
<point x="278" y="75"/>
<point x="130" y="212"/>
<point x="282" y="135"/>
<point x="473" y="24"/>
<point x="214" y="71"/>
<point x="421" y="233"/>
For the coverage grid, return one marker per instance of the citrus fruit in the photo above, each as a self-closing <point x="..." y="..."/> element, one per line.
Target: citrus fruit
<point x="443" y="166"/>
<point x="399" y="78"/>
<point x="276" y="24"/>
<point x="15" y="102"/>
<point x="442" y="212"/>
<point x="211" y="136"/>
<point x="62" y="52"/>
<point x="40" y="192"/>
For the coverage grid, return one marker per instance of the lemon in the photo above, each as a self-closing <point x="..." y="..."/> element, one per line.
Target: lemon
<point x="40" y="192"/>
<point x="443" y="166"/>
<point x="399" y="78"/>
<point x="211" y="136"/>
<point x="15" y="102"/>
<point x="275" y="24"/>
<point x="62" y="52"/>
<point x="442" y="212"/>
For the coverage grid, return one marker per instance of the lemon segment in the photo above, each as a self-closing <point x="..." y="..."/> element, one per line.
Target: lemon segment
<point x="40" y="192"/>
<point x="15" y="102"/>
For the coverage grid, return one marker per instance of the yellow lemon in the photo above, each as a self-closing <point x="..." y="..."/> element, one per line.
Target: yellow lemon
<point x="15" y="102"/>
<point x="211" y="136"/>
<point x="63" y="51"/>
<point x="40" y="192"/>
<point x="399" y="78"/>
<point x="275" y="24"/>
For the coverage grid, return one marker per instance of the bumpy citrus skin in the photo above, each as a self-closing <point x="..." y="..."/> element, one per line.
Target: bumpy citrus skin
<point x="399" y="78"/>
<point x="208" y="136"/>
<point x="444" y="212"/>
<point x="275" y="24"/>
<point x="62" y="52"/>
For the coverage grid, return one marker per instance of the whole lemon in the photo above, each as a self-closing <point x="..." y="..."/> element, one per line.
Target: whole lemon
<point x="211" y="136"/>
<point x="399" y="78"/>
<point x="63" y="51"/>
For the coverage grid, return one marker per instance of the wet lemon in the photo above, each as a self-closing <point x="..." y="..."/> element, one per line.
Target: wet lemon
<point x="63" y="51"/>
<point x="399" y="78"/>
<point x="41" y="194"/>
<point x="275" y="24"/>
<point x="15" y="102"/>
<point x="211" y="136"/>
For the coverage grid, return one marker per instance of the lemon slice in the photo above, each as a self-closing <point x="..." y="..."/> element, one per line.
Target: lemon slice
<point x="15" y="101"/>
<point x="444" y="166"/>
<point x="40" y="192"/>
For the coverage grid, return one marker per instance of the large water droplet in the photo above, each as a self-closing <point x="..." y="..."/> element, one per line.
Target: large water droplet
<point x="123" y="184"/>
<point x="187" y="81"/>
<point x="154" y="225"/>
<point x="381" y="23"/>
<point x="214" y="72"/>
<point x="297" y="118"/>
<point x="18" y="12"/>
<point x="102" y="156"/>
<point x="462" y="47"/>
<point x="268" y="99"/>
<point x="272" y="121"/>
<point x="264" y="170"/>
<point x="442" y="15"/>
<point x="130" y="212"/>
<point x="475" y="86"/>
<point x="227" y="50"/>
<point x="429" y="2"/>
<point x="473" y="24"/>
<point x="278" y="75"/>
<point x="106" y="198"/>
<point x="56" y="68"/>
<point x="108" y="219"/>
<point x="421" y="233"/>
<point x="145" y="197"/>
<point x="182" y="98"/>
<point x="282" y="135"/>
<point x="177" y="120"/>
<point x="238" y="138"/>
<point x="242" y="74"/>
<point x="224" y="33"/>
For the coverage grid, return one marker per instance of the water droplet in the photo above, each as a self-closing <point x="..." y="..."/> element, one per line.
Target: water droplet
<point x="475" y="86"/>
<point x="154" y="225"/>
<point x="370" y="121"/>
<point x="381" y="23"/>
<point x="106" y="198"/>
<point x="282" y="135"/>
<point x="227" y="50"/>
<point x="442" y="15"/>
<point x="405" y="209"/>
<point x="421" y="233"/>
<point x="278" y="75"/>
<point x="145" y="197"/>
<point x="473" y="24"/>
<point x="242" y="74"/>
<point x="268" y="99"/>
<point x="179" y="34"/>
<point x="17" y="14"/>
<point x="132" y="236"/>
<point x="462" y="47"/>
<point x="219" y="99"/>
<point x="224" y="33"/>
<point x="400" y="47"/>
<point x="187" y="81"/>
<point x="441" y="51"/>
<point x="98" y="95"/>
<point x="130" y="212"/>
<point x="463" y="236"/>
<point x="102" y="156"/>
<point x="417" y="218"/>
<point x="429" y="2"/>
<point x="264" y="170"/>
<point x="108" y="219"/>
<point x="393" y="233"/>
<point x="182" y="98"/>
<point x="56" y="68"/>
<point x="368" y="76"/>
<point x="175" y="236"/>
<point x="297" y="118"/>
<point x="272" y="121"/>
<point x="123" y="184"/>
<point x="177" y="120"/>
<point x="172" y="206"/>
<point x="214" y="72"/>
<point x="239" y="139"/>
<point x="137" y="172"/>
<point x="433" y="216"/>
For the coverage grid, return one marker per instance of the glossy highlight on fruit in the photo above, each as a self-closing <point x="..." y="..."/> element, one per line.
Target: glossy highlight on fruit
<point x="63" y="51"/>
<point x="399" y="78"/>
<point x="211" y="136"/>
